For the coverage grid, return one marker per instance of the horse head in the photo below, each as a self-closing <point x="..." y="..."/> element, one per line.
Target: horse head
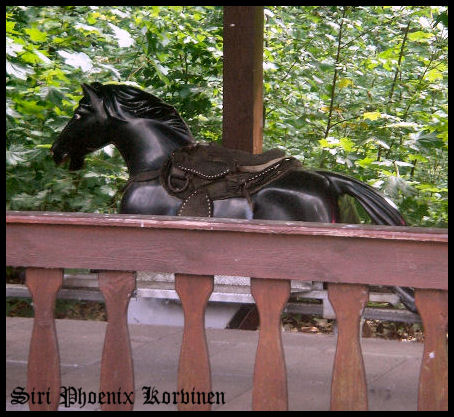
<point x="101" y="111"/>
<point x="86" y="131"/>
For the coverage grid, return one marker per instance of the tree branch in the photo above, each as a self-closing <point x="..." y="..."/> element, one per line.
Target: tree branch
<point x="333" y="89"/>
<point x="401" y="54"/>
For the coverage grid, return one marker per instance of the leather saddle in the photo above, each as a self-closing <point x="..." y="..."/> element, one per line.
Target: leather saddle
<point x="201" y="173"/>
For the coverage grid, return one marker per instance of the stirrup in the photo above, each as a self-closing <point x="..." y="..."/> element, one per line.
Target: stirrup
<point x="176" y="189"/>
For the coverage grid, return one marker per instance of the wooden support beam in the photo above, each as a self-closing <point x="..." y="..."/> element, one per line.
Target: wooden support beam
<point x="243" y="78"/>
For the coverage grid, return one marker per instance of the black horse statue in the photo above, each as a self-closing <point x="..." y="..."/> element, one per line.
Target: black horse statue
<point x="148" y="133"/>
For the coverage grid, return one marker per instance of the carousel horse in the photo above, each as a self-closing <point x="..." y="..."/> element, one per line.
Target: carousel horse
<point x="171" y="174"/>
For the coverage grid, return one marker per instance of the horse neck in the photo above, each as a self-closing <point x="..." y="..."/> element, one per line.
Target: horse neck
<point x="146" y="144"/>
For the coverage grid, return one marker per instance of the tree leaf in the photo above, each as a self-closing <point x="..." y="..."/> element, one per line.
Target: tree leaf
<point x="345" y="82"/>
<point x="365" y="162"/>
<point x="123" y="36"/>
<point x="35" y="35"/>
<point x="420" y="36"/>
<point x="347" y="144"/>
<point x="433" y="75"/>
<point x="374" y="115"/>
<point x="10" y="27"/>
<point x="17" y="70"/>
<point x="77" y="60"/>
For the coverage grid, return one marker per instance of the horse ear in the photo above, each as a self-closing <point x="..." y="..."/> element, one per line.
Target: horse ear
<point x="89" y="91"/>
<point x="95" y="98"/>
<point x="105" y="105"/>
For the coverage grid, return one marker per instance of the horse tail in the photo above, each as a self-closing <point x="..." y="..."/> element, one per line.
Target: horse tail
<point x="380" y="210"/>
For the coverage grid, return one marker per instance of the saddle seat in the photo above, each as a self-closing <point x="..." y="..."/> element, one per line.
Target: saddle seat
<point x="212" y="161"/>
<point x="201" y="173"/>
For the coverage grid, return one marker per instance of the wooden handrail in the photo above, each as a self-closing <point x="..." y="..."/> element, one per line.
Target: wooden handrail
<point x="257" y="226"/>
<point x="345" y="256"/>
<point x="374" y="255"/>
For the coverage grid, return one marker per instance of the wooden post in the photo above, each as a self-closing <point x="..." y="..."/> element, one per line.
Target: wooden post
<point x="43" y="357"/>
<point x="243" y="78"/>
<point x="348" y="386"/>
<point x="117" y="373"/>
<point x="269" y="392"/>
<point x="433" y="380"/>
<point x="194" y="373"/>
<point x="243" y="129"/>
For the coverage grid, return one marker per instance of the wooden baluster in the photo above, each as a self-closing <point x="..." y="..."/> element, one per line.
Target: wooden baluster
<point x="117" y="372"/>
<point x="433" y="379"/>
<point x="270" y="376"/>
<point x="348" y="386"/>
<point x="194" y="374"/>
<point x="43" y="357"/>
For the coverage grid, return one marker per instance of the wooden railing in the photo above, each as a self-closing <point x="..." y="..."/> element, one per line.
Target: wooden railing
<point x="348" y="257"/>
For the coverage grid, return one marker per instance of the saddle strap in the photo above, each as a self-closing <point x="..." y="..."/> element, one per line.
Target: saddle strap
<point x="198" y="194"/>
<point x="197" y="204"/>
<point x="142" y="177"/>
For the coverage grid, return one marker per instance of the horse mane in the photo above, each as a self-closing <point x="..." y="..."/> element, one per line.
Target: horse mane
<point x="122" y="98"/>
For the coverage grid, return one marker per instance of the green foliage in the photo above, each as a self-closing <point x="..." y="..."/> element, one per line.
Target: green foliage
<point x="174" y="51"/>
<point x="360" y="90"/>
<point x="363" y="90"/>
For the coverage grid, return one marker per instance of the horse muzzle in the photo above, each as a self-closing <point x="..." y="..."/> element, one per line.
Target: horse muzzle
<point x="61" y="156"/>
<point x="58" y="156"/>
